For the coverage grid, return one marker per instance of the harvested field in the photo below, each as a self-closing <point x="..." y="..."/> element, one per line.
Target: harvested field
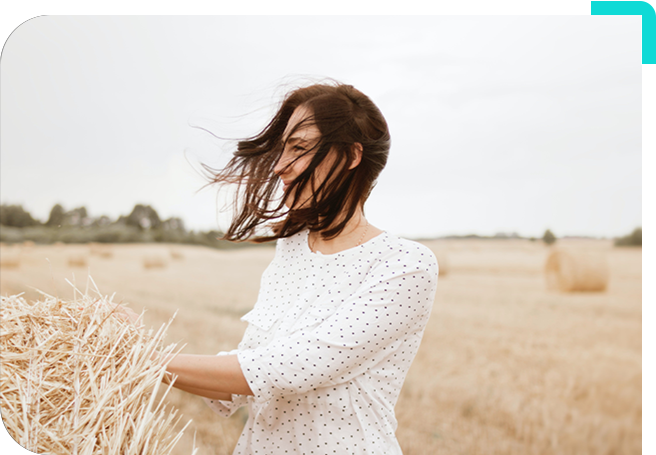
<point x="507" y="366"/>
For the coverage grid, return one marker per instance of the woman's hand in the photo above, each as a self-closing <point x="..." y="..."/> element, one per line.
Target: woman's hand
<point x="128" y="315"/>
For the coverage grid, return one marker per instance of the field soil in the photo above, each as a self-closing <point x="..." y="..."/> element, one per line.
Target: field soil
<point x="506" y="366"/>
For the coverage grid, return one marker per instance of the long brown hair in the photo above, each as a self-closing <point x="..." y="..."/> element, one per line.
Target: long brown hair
<point x="344" y="117"/>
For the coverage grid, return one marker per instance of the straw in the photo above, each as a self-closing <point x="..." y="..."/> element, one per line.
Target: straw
<point x="77" y="378"/>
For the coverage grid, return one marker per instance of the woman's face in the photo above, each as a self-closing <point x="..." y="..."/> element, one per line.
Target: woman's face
<point x="295" y="157"/>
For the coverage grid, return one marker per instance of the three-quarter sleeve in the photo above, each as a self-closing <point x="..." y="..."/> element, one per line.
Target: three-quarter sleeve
<point x="227" y="408"/>
<point x="390" y="308"/>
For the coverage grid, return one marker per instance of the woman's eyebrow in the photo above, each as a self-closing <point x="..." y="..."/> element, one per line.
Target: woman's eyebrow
<point x="295" y="139"/>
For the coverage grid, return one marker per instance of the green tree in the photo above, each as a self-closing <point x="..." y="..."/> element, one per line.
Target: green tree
<point x="56" y="217"/>
<point x="633" y="239"/>
<point x="76" y="216"/>
<point x="548" y="237"/>
<point x="16" y="216"/>
<point x="143" y="217"/>
<point x="173" y="224"/>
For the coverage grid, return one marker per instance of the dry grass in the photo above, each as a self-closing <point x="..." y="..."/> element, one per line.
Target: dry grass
<point x="75" y="379"/>
<point x="506" y="367"/>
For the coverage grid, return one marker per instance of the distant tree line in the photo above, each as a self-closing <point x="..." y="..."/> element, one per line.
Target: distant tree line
<point x="633" y="239"/>
<point x="142" y="225"/>
<point x="548" y="237"/>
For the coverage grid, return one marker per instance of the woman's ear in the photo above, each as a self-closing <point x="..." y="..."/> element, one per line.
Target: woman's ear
<point x="356" y="150"/>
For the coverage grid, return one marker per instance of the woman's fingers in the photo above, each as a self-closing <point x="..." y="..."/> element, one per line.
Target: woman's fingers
<point x="128" y="315"/>
<point x="133" y="316"/>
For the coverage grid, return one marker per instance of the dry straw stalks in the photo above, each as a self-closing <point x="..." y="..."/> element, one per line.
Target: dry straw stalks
<point x="76" y="378"/>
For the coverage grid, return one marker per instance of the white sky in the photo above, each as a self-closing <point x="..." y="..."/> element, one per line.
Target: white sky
<point x="499" y="123"/>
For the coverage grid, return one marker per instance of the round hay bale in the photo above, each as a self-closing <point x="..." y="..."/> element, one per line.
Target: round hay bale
<point x="77" y="261"/>
<point x="76" y="379"/>
<point x="176" y="254"/>
<point x="103" y="251"/>
<point x="9" y="260"/>
<point x="154" y="262"/>
<point x="576" y="271"/>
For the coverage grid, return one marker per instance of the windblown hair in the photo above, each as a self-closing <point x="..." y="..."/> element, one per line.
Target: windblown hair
<point x="344" y="117"/>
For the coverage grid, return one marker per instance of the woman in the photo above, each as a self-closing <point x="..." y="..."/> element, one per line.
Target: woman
<point x="343" y="305"/>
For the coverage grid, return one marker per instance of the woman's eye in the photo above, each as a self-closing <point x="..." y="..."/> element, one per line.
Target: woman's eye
<point x="297" y="149"/>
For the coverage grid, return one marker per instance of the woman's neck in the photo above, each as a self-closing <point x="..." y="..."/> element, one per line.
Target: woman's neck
<point x="356" y="232"/>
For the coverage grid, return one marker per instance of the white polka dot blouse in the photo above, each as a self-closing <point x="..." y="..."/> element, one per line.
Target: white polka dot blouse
<point x="328" y="345"/>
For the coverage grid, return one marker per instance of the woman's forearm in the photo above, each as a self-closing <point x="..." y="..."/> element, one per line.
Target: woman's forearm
<point x="204" y="393"/>
<point x="219" y="375"/>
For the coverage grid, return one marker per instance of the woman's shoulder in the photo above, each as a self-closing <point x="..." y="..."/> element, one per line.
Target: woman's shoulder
<point x="291" y="245"/>
<point x="393" y="249"/>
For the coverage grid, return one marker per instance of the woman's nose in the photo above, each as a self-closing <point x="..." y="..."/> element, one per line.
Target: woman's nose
<point x="278" y="168"/>
<point x="281" y="166"/>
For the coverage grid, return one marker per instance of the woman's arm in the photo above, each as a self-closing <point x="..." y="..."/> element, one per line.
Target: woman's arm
<point x="210" y="376"/>
<point x="204" y="393"/>
<point x="214" y="377"/>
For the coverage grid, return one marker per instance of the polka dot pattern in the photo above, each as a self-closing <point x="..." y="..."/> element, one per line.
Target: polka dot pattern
<point x="328" y="345"/>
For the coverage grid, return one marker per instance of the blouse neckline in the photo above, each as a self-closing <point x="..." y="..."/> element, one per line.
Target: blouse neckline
<point x="306" y="246"/>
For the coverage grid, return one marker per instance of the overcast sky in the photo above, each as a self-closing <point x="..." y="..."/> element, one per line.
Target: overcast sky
<point x="499" y="123"/>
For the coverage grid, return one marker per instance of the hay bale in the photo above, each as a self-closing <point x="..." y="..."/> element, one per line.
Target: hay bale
<point x="9" y="260"/>
<point x="574" y="271"/>
<point x="103" y="251"/>
<point x="77" y="380"/>
<point x="154" y="262"/>
<point x="77" y="261"/>
<point x="176" y="254"/>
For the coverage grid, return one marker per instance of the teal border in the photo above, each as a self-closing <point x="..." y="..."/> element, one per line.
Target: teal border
<point x="648" y="12"/>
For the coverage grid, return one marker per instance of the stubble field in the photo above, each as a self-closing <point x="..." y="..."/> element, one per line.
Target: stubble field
<point x="505" y="367"/>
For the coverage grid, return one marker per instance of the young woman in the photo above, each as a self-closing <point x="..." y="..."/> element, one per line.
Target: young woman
<point x="342" y="306"/>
